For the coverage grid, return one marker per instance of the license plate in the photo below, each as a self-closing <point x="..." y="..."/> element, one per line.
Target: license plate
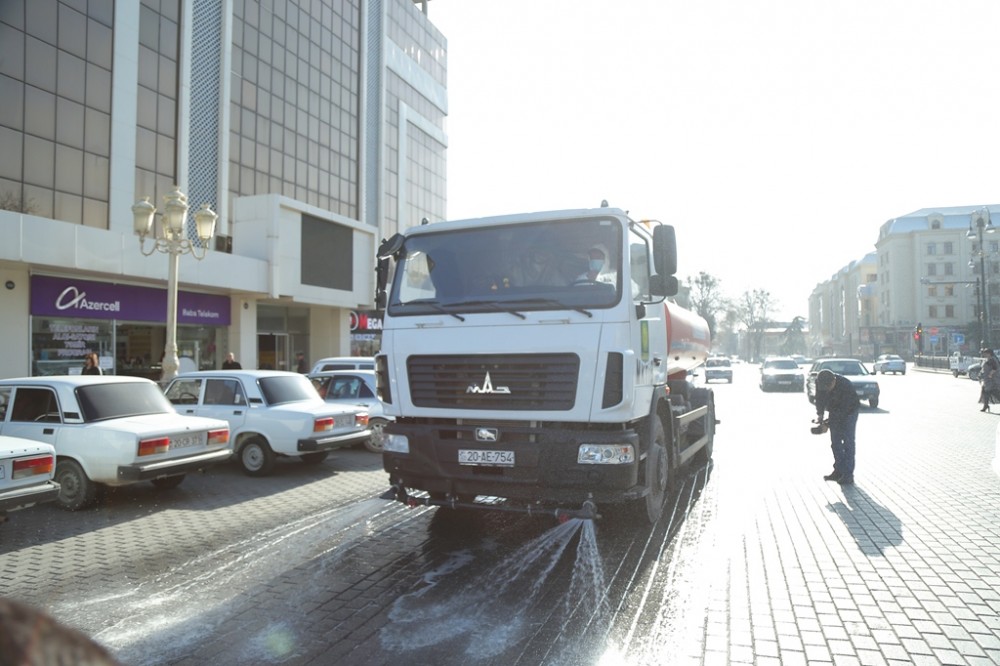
<point x="785" y="381"/>
<point x="184" y="441"/>
<point x="491" y="458"/>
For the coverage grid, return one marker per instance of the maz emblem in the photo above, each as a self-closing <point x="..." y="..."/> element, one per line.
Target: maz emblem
<point x="487" y="435"/>
<point x="488" y="387"/>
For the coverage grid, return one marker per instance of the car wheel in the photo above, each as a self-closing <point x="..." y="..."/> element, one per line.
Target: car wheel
<point x="256" y="457"/>
<point x="376" y="443"/>
<point x="315" y="457"/>
<point x="168" y="482"/>
<point x="902" y="372"/>
<point x="75" y="489"/>
<point x="955" y="373"/>
<point x="873" y="402"/>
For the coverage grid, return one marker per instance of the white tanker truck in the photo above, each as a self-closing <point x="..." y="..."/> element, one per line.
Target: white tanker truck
<point x="533" y="363"/>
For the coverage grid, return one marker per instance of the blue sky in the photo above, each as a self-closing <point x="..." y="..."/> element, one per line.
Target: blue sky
<point x="776" y="135"/>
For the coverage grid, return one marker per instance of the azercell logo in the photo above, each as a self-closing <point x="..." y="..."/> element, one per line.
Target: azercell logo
<point x="71" y="297"/>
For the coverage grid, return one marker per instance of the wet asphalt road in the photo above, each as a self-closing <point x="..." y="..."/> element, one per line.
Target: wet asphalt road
<point x="309" y="567"/>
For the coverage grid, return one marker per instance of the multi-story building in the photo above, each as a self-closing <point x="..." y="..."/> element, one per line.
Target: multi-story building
<point x="312" y="127"/>
<point x="928" y="271"/>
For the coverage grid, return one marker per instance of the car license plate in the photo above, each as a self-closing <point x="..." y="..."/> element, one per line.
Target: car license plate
<point x="784" y="381"/>
<point x="481" y="457"/>
<point x="184" y="441"/>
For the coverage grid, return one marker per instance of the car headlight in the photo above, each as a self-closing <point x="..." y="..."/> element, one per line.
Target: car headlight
<point x="605" y="454"/>
<point x="396" y="443"/>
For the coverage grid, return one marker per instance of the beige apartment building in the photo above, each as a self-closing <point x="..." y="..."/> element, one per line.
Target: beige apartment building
<point x="927" y="269"/>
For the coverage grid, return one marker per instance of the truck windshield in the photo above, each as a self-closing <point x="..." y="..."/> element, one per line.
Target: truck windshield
<point x="568" y="264"/>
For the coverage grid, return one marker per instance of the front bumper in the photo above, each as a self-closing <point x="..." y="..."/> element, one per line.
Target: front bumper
<point x="545" y="470"/>
<point x="172" y="467"/>
<point x="333" y="442"/>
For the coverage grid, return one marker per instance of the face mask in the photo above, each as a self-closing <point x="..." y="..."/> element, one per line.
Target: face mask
<point x="596" y="265"/>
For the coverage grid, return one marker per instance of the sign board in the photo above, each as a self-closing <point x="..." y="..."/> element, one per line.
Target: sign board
<point x="958" y="338"/>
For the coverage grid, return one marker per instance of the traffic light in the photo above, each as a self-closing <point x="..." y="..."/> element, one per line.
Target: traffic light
<point x="918" y="337"/>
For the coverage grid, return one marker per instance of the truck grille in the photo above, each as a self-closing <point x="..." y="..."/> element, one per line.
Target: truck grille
<point x="494" y="381"/>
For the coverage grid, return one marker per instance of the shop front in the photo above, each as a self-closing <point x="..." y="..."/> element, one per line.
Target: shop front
<point x="366" y="333"/>
<point x="124" y="324"/>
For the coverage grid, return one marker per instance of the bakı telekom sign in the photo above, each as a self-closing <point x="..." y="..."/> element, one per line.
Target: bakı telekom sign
<point x="365" y="321"/>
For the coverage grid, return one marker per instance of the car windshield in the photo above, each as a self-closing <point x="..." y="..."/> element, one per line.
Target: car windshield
<point x="781" y="364"/>
<point x="717" y="362"/>
<point x="288" y="388"/>
<point x="846" y="368"/>
<point x="100" y="402"/>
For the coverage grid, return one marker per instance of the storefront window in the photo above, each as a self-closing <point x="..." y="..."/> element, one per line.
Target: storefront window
<point x="59" y="345"/>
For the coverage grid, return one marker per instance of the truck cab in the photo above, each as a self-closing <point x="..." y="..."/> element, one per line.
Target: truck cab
<point x="535" y="358"/>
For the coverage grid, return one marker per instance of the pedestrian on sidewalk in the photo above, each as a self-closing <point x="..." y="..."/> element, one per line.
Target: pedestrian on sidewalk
<point x="989" y="377"/>
<point x="835" y="394"/>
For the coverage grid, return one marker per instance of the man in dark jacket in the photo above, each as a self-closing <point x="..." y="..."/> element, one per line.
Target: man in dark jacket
<point x="835" y="394"/>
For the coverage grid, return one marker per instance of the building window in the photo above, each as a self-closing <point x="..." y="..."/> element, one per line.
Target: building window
<point x="931" y="269"/>
<point x="931" y="248"/>
<point x="932" y="312"/>
<point x="949" y="312"/>
<point x="932" y="291"/>
<point x="949" y="290"/>
<point x="949" y="247"/>
<point x="949" y="268"/>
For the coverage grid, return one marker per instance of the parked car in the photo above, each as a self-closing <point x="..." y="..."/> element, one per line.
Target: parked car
<point x="781" y="374"/>
<point x="27" y="470"/>
<point x="889" y="363"/>
<point x="343" y="363"/>
<point x="718" y="367"/>
<point x="271" y="414"/>
<point x="854" y="370"/>
<point x="355" y="387"/>
<point x="109" y="430"/>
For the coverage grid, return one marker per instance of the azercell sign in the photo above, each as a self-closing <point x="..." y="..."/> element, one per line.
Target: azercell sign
<point x="86" y="299"/>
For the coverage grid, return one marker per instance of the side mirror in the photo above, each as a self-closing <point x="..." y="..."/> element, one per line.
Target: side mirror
<point x="665" y="250"/>
<point x="663" y="285"/>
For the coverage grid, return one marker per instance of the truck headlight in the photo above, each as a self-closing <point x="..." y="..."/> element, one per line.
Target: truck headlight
<point x="605" y="454"/>
<point x="397" y="443"/>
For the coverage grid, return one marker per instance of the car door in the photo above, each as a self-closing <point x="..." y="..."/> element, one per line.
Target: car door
<point x="224" y="398"/>
<point x="31" y="412"/>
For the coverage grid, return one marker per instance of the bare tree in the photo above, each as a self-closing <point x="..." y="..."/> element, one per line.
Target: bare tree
<point x="706" y="299"/>
<point x="754" y="311"/>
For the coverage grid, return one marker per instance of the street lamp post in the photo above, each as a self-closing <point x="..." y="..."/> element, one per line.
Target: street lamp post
<point x="982" y="222"/>
<point x="170" y="237"/>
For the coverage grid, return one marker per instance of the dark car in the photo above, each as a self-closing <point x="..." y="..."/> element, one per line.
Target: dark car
<point x="864" y="382"/>
<point x="355" y="387"/>
<point x="781" y="374"/>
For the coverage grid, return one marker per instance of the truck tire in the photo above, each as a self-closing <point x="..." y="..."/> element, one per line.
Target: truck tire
<point x="704" y="397"/>
<point x="657" y="472"/>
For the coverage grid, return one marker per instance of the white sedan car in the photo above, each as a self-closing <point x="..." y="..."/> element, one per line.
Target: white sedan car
<point x="27" y="469"/>
<point x="889" y="363"/>
<point x="271" y="413"/>
<point x="109" y="430"/>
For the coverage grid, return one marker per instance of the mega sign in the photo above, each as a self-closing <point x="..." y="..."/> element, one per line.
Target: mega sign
<point x="85" y="299"/>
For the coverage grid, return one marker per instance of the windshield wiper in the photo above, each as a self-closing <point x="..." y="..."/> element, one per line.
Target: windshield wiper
<point x="433" y="304"/>
<point x="552" y="301"/>
<point x="491" y="304"/>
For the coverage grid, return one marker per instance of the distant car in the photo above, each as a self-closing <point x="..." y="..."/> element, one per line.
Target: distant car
<point x="889" y="363"/>
<point x="355" y="387"/>
<point x="271" y="413"/>
<point x="865" y="385"/>
<point x="801" y="360"/>
<point x="781" y="374"/>
<point x="343" y="363"/>
<point x="27" y="470"/>
<point x="718" y="367"/>
<point x="109" y="430"/>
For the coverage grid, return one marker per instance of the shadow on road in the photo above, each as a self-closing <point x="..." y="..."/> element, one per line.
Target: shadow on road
<point x="873" y="526"/>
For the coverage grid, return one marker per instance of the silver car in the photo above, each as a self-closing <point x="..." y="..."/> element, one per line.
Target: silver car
<point x="355" y="387"/>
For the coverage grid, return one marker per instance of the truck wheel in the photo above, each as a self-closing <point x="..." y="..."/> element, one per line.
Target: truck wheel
<point x="75" y="489"/>
<point x="256" y="457"/>
<point x="657" y="472"/>
<point x="873" y="402"/>
<point x="168" y="482"/>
